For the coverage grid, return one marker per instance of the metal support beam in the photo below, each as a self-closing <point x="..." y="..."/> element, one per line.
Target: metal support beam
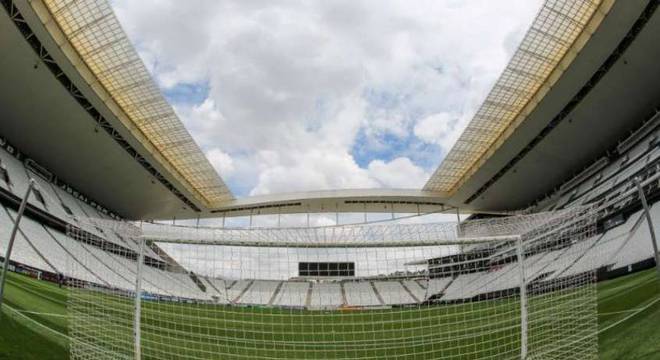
<point x="523" y="298"/>
<point x="176" y="239"/>
<point x="279" y="217"/>
<point x="14" y="231"/>
<point x="649" y="222"/>
<point x="458" y="221"/>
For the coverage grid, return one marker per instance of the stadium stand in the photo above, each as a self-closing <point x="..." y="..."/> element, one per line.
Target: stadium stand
<point x="621" y="245"/>
<point x="292" y="294"/>
<point x="217" y="289"/>
<point x="237" y="288"/>
<point x="24" y="253"/>
<point x="527" y="116"/>
<point x="260" y="292"/>
<point x="326" y="295"/>
<point x="393" y="293"/>
<point x="416" y="291"/>
<point x="361" y="294"/>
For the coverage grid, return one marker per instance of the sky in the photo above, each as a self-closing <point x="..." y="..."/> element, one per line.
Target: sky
<point x="287" y="96"/>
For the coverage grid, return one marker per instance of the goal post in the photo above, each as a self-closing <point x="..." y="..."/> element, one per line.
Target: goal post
<point x="506" y="288"/>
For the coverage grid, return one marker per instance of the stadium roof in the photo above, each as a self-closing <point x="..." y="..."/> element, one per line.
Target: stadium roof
<point x="607" y="90"/>
<point x="91" y="37"/>
<point x="74" y="74"/>
<point x="355" y="200"/>
<point x="560" y="30"/>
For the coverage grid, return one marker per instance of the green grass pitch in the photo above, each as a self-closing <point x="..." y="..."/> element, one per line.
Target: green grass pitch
<point x="34" y="324"/>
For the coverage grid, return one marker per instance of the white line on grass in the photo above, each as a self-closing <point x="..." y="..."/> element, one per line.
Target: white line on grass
<point x="18" y="312"/>
<point x="40" y="313"/>
<point x="67" y="337"/>
<point x="639" y="310"/>
<point x="617" y="291"/>
<point x="16" y="284"/>
<point x="618" y="312"/>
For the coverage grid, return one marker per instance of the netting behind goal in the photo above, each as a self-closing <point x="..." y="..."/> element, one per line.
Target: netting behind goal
<point x="490" y="289"/>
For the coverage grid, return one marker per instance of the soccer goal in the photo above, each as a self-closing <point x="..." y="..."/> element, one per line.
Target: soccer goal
<point x="506" y="288"/>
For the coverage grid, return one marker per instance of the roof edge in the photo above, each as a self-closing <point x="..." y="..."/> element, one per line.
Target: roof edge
<point x="507" y="106"/>
<point x="129" y="92"/>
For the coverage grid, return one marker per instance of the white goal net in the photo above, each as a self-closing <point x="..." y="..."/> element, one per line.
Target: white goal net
<point x="505" y="288"/>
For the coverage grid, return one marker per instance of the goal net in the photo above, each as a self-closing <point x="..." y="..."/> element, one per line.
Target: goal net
<point x="506" y="288"/>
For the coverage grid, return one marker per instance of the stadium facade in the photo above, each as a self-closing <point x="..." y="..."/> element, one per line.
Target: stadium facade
<point x="573" y="121"/>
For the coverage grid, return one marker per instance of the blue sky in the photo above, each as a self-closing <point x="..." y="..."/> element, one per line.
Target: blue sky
<point x="187" y="94"/>
<point x="307" y="95"/>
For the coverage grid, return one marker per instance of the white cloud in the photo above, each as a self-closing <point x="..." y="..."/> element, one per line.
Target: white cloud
<point x="398" y="173"/>
<point x="221" y="161"/>
<point x="295" y="87"/>
<point x="204" y="121"/>
<point x="442" y="129"/>
<point x="315" y="169"/>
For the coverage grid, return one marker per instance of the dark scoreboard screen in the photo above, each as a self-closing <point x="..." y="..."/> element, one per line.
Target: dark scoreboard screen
<point x="329" y="269"/>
